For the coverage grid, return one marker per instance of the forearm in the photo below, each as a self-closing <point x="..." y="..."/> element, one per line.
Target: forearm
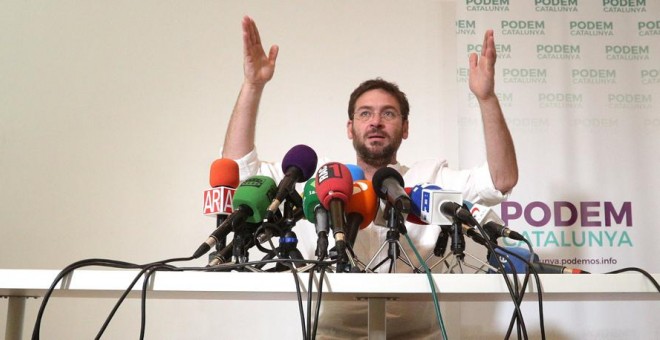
<point x="500" y="152"/>
<point x="240" y="135"/>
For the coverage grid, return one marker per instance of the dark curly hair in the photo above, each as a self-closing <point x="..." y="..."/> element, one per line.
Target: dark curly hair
<point x="379" y="83"/>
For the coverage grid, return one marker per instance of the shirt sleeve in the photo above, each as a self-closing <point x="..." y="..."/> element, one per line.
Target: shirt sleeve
<point x="250" y="165"/>
<point x="475" y="183"/>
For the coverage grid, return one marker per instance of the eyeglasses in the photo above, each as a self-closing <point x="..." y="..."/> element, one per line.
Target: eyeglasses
<point x="387" y="115"/>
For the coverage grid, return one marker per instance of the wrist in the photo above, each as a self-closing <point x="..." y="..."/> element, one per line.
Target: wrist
<point x="488" y="98"/>
<point x="252" y="86"/>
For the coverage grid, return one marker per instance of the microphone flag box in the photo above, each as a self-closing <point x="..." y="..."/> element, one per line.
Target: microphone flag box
<point x="484" y="214"/>
<point x="432" y="199"/>
<point x="218" y="201"/>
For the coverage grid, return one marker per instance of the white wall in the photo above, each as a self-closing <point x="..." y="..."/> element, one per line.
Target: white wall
<point x="111" y="113"/>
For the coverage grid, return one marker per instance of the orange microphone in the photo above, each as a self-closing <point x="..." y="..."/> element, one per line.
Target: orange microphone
<point x="361" y="208"/>
<point x="224" y="179"/>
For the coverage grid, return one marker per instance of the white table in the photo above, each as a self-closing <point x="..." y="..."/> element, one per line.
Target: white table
<point x="19" y="284"/>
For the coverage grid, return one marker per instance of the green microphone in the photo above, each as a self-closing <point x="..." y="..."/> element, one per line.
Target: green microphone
<point x="252" y="198"/>
<point x="250" y="203"/>
<point x="317" y="214"/>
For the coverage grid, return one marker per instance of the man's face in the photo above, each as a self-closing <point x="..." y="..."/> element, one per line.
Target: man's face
<point x="377" y="128"/>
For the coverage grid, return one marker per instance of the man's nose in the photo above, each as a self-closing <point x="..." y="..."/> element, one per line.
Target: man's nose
<point x="376" y="119"/>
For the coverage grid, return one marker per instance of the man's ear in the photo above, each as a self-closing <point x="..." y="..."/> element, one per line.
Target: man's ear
<point x="349" y="129"/>
<point x="404" y="130"/>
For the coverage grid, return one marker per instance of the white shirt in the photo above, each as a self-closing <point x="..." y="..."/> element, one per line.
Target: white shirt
<point x="348" y="320"/>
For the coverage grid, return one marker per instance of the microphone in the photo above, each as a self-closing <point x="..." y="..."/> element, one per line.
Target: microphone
<point x="250" y="204"/>
<point x="476" y="237"/>
<point x="546" y="268"/>
<point x="493" y="224"/>
<point x="356" y="172"/>
<point x="497" y="230"/>
<point x="414" y="217"/>
<point x="223" y="178"/>
<point x="428" y="199"/>
<point x="510" y="261"/>
<point x="361" y="209"/>
<point x="298" y="165"/>
<point x="456" y="211"/>
<point x="334" y="186"/>
<point x="521" y="267"/>
<point x="317" y="214"/>
<point x="388" y="185"/>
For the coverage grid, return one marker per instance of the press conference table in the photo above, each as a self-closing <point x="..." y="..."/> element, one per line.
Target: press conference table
<point x="19" y="284"/>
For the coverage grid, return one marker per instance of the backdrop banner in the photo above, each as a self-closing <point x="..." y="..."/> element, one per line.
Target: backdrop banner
<point x="579" y="83"/>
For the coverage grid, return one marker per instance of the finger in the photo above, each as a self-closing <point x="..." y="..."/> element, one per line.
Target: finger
<point x="246" y="35"/>
<point x="272" y="54"/>
<point x="484" y="45"/>
<point x="473" y="60"/>
<point x="255" y="33"/>
<point x="491" y="52"/>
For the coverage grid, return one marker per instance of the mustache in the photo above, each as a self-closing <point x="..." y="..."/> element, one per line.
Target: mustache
<point x="376" y="131"/>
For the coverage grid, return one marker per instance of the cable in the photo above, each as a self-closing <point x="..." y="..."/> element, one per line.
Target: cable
<point x="309" y="302"/>
<point x="66" y="271"/>
<point x="118" y="303"/>
<point x="318" y="300"/>
<point x="522" y="291"/>
<point x="512" y="292"/>
<point x="436" y="304"/>
<point x="299" y="295"/>
<point x="643" y="272"/>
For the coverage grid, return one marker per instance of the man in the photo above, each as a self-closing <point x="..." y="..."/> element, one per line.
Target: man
<point x="378" y="122"/>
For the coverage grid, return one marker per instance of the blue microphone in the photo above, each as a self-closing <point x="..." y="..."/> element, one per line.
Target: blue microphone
<point x="356" y="172"/>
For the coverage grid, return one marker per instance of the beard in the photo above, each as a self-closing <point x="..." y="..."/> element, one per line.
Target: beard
<point x="379" y="156"/>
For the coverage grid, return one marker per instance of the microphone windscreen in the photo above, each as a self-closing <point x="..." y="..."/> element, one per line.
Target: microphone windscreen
<point x="379" y="178"/>
<point x="333" y="181"/>
<point x="302" y="157"/>
<point x="255" y="192"/>
<point x="356" y="172"/>
<point x="363" y="201"/>
<point x="224" y="173"/>
<point x="310" y="200"/>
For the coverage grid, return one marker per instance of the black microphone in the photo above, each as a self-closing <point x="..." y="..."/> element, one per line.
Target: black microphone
<point x="456" y="211"/>
<point x="388" y="185"/>
<point x="476" y="237"/>
<point x="498" y="230"/>
<point x="546" y="268"/>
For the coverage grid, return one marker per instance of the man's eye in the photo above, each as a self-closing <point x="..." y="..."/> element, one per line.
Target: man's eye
<point x="389" y="114"/>
<point x="364" y="114"/>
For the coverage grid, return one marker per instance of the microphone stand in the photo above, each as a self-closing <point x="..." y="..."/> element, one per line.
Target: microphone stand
<point x="288" y="242"/>
<point x="395" y="249"/>
<point x="221" y="242"/>
<point x="457" y="254"/>
<point x="242" y="237"/>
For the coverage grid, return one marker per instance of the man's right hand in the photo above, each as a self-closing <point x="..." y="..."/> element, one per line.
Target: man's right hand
<point x="257" y="66"/>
